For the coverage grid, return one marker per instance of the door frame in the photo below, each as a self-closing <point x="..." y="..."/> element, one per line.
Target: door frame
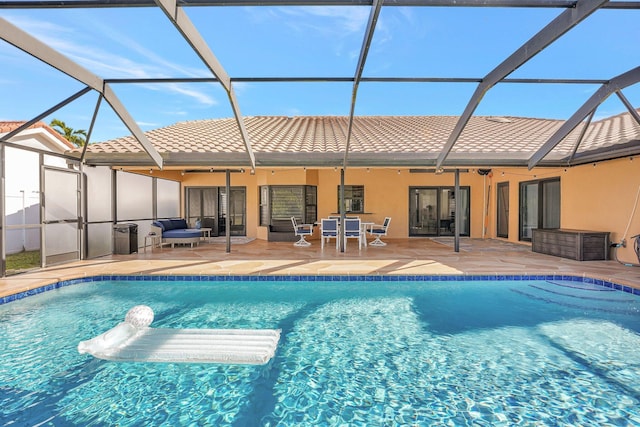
<point x="44" y="222"/>
<point x="439" y="201"/>
<point x="502" y="209"/>
<point x="217" y="227"/>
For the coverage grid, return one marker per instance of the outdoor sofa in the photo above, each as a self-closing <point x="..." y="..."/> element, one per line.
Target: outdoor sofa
<point x="176" y="231"/>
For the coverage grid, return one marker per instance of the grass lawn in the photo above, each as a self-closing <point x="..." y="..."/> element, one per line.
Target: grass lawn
<point x="22" y="261"/>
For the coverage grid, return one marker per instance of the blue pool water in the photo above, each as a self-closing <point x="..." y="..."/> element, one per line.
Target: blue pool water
<point x="544" y="352"/>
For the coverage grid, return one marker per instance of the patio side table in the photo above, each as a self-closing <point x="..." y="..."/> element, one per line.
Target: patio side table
<point x="153" y="240"/>
<point x="206" y="233"/>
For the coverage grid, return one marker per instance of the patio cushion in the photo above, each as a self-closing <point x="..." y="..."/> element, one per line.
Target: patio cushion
<point x="181" y="234"/>
<point x="178" y="223"/>
<point x="158" y="224"/>
<point x="166" y="224"/>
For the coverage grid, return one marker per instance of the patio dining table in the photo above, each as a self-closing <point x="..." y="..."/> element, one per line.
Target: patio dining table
<point x="363" y="230"/>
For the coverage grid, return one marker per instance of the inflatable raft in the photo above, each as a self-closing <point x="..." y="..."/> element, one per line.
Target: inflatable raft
<point x="134" y="341"/>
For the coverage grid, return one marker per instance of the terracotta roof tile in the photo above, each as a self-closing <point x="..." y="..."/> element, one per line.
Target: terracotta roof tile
<point x="518" y="137"/>
<point x="8" y="126"/>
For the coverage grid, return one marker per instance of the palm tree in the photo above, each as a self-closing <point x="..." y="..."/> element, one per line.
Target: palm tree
<point x="76" y="137"/>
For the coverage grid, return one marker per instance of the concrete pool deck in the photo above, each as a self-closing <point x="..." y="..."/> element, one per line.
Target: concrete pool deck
<point x="417" y="256"/>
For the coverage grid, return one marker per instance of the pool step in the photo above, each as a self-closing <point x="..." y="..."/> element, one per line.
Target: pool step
<point x="580" y="295"/>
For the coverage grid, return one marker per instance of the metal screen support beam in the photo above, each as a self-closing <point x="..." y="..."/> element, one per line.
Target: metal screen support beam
<point x="364" y="51"/>
<point x="342" y="212"/>
<point x="582" y="133"/>
<point x="90" y="130"/>
<point x="227" y="220"/>
<point x="456" y="220"/>
<point x="131" y="124"/>
<point x="74" y="4"/>
<point x="51" y="110"/>
<point x="3" y="222"/>
<point x="630" y="107"/>
<point x="550" y="33"/>
<point x="190" y="33"/>
<point x="616" y="84"/>
<point x="29" y="44"/>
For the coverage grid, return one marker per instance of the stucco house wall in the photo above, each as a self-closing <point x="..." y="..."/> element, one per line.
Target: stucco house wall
<point x="598" y="197"/>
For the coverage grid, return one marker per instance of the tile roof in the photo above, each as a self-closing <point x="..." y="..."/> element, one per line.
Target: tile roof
<point x="8" y="126"/>
<point x="376" y="140"/>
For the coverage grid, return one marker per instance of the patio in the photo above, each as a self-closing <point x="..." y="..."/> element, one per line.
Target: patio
<point x="399" y="257"/>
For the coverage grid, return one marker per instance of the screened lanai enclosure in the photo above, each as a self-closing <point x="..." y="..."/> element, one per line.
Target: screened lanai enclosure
<point x="58" y="212"/>
<point x="119" y="69"/>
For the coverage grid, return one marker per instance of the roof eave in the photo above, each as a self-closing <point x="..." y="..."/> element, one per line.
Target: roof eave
<point x="631" y="148"/>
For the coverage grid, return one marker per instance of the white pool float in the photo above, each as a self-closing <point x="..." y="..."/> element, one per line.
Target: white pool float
<point x="134" y="341"/>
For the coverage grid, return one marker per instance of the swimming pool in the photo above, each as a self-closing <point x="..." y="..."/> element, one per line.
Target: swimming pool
<point x="371" y="350"/>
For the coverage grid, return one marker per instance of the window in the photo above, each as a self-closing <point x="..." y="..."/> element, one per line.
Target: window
<point x="539" y="206"/>
<point x="278" y="203"/>
<point x="353" y="198"/>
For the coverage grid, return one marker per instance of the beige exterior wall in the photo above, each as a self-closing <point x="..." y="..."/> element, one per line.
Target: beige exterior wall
<point x="602" y="198"/>
<point x="598" y="198"/>
<point x="387" y="194"/>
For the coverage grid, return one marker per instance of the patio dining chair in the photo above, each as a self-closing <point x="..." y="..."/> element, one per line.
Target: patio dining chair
<point x="301" y="230"/>
<point x="328" y="230"/>
<point x="352" y="230"/>
<point x="379" y="231"/>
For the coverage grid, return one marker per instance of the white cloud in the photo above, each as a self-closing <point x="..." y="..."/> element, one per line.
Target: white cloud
<point x="148" y="125"/>
<point x="176" y="113"/>
<point x="337" y="23"/>
<point x="346" y="20"/>
<point x="105" y="64"/>
<point x="241" y="87"/>
<point x="201" y="97"/>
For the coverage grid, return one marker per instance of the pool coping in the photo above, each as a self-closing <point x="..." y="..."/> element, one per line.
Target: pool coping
<point x="315" y="278"/>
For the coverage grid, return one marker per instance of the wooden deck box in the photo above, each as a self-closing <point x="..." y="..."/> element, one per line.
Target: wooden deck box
<point x="581" y="245"/>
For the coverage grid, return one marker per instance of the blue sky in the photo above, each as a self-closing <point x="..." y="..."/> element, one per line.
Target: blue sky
<point x="312" y="42"/>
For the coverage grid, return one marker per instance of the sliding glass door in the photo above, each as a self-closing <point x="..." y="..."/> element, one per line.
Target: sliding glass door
<point x="432" y="211"/>
<point x="236" y="212"/>
<point x="209" y="205"/>
<point x="539" y="206"/>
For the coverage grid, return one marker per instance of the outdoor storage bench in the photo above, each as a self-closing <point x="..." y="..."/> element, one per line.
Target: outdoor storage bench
<point x="176" y="231"/>
<point x="581" y="245"/>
